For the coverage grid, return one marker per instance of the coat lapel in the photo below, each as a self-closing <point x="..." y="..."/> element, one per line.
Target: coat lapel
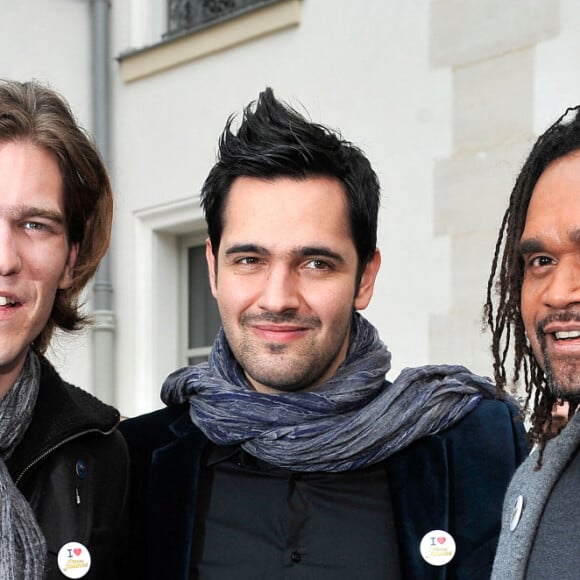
<point x="173" y="489"/>
<point x="419" y="487"/>
<point x="532" y="487"/>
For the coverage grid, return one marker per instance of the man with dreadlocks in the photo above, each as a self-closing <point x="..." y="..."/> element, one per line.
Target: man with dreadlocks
<point x="536" y="314"/>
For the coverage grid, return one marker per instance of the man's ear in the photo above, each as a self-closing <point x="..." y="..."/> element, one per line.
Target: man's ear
<point x="211" y="267"/>
<point x="66" y="278"/>
<point x="367" y="282"/>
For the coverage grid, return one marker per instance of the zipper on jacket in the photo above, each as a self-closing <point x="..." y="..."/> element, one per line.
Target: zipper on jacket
<point x="57" y="446"/>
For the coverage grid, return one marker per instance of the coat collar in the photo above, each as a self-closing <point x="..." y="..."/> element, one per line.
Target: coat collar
<point x="62" y="412"/>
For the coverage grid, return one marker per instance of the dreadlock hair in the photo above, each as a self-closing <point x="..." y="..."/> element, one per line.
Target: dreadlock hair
<point x="274" y="140"/>
<point x="505" y="281"/>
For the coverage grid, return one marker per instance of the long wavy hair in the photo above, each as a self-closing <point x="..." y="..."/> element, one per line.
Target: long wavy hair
<point x="33" y="113"/>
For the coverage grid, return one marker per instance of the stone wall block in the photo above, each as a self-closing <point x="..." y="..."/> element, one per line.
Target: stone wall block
<point x="467" y="31"/>
<point x="471" y="191"/>
<point x="491" y="102"/>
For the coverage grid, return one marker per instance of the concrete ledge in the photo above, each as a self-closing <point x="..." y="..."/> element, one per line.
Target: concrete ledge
<point x="172" y="53"/>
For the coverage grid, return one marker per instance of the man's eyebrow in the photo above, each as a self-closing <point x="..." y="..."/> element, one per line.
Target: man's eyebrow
<point x="530" y="246"/>
<point x="533" y="245"/>
<point x="246" y="249"/>
<point x="575" y="236"/>
<point x="319" y="251"/>
<point x="27" y="212"/>
<point x="301" y="251"/>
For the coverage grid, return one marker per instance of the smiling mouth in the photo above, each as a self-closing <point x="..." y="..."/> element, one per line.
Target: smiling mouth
<point x="6" y="301"/>
<point x="283" y="329"/>
<point x="567" y="334"/>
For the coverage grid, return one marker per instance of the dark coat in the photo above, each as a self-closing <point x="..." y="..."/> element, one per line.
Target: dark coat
<point x="72" y="467"/>
<point x="454" y="481"/>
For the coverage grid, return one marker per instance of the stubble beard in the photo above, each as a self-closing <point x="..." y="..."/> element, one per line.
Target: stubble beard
<point x="562" y="378"/>
<point x="271" y="365"/>
<point x="562" y="373"/>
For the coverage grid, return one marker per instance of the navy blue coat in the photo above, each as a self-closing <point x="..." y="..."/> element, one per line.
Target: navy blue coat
<point x="453" y="481"/>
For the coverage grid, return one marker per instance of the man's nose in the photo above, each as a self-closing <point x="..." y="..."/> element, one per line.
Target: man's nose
<point x="563" y="286"/>
<point x="10" y="260"/>
<point x="280" y="291"/>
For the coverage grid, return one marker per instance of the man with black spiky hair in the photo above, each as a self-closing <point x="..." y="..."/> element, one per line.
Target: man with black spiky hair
<point x="288" y="455"/>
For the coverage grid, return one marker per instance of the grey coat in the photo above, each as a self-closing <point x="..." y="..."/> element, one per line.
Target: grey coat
<point x="534" y="488"/>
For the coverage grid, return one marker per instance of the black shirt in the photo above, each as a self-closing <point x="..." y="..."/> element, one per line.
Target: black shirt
<point x="257" y="522"/>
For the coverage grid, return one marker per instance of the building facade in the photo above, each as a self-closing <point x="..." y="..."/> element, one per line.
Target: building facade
<point x="444" y="96"/>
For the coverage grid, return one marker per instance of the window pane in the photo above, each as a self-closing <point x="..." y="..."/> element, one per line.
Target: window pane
<point x="204" y="319"/>
<point x="185" y="15"/>
<point x="194" y="360"/>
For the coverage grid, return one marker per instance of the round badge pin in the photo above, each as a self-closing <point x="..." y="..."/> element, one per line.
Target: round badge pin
<point x="516" y="512"/>
<point x="74" y="560"/>
<point x="437" y="547"/>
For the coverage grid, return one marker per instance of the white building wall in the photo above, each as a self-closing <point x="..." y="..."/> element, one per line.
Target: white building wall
<point x="443" y="96"/>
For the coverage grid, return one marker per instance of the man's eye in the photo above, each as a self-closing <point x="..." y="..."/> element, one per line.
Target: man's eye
<point x="35" y="226"/>
<point x="539" y="261"/>
<point x="247" y="261"/>
<point x="317" y="265"/>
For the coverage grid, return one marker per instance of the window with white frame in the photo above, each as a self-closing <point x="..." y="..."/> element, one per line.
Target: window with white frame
<point x="201" y="320"/>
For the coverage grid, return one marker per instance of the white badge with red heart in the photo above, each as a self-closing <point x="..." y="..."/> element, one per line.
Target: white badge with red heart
<point x="437" y="547"/>
<point x="74" y="560"/>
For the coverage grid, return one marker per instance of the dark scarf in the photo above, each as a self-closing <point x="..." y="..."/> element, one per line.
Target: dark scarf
<point x="351" y="421"/>
<point x="22" y="545"/>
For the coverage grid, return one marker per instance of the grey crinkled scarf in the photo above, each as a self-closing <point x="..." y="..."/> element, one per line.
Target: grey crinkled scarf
<point x="353" y="420"/>
<point x="22" y="545"/>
